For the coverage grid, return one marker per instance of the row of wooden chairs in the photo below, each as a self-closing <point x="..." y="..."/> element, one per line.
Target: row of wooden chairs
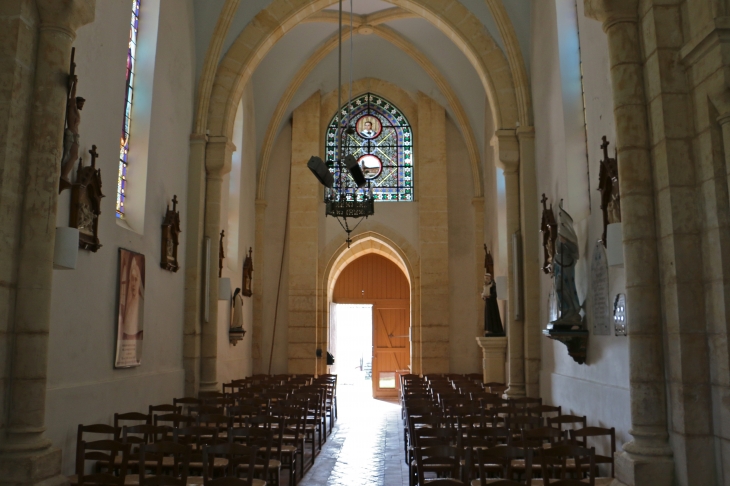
<point x="293" y="410"/>
<point x="458" y="411"/>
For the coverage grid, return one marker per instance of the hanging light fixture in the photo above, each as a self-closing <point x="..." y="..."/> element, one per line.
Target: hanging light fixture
<point x="341" y="203"/>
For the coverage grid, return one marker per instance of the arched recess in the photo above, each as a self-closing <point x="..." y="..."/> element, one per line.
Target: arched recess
<point x="337" y="256"/>
<point x="273" y="22"/>
<point x="401" y="43"/>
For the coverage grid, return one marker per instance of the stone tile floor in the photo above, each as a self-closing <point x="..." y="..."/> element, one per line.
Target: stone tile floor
<point x="366" y="444"/>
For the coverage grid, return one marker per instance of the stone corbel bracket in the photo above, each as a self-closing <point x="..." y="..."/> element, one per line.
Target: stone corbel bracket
<point x="576" y="341"/>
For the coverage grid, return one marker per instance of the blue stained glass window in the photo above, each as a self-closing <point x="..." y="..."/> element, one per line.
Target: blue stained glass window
<point x="382" y="144"/>
<point x="126" y="123"/>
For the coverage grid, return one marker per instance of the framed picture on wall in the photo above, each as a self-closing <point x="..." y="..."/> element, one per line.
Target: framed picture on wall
<point x="130" y="317"/>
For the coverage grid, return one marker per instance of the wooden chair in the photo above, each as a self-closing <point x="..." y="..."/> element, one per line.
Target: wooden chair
<point x="104" y="451"/>
<point x="524" y="402"/>
<point x="580" y="437"/>
<point x="100" y="432"/>
<point x="446" y="460"/>
<point x="554" y="462"/>
<point x="480" y="438"/>
<point x="164" y="408"/>
<point x="185" y="403"/>
<point x="262" y="439"/>
<point x="166" y="457"/>
<point x="500" y="459"/>
<point x="239" y="458"/>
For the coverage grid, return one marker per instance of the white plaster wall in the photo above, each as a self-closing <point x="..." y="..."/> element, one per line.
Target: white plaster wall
<point x="83" y="386"/>
<point x="465" y="356"/>
<point x="238" y="214"/>
<point x="598" y="389"/>
<point x="277" y="190"/>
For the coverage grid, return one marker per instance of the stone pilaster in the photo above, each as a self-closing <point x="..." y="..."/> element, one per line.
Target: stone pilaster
<point x="433" y="236"/>
<point x="194" y="263"/>
<point x="305" y="193"/>
<point x="258" y="287"/>
<point x="530" y="260"/>
<point x="509" y="162"/>
<point x="218" y="158"/>
<point x="647" y="459"/>
<point x="478" y="204"/>
<point x="26" y="456"/>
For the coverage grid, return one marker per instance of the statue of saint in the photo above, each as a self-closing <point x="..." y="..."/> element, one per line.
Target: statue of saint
<point x="71" y="135"/>
<point x="566" y="256"/>
<point x="237" y="314"/>
<point x="492" y="319"/>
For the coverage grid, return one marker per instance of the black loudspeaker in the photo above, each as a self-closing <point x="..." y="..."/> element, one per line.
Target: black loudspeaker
<point x="321" y="172"/>
<point x="355" y="170"/>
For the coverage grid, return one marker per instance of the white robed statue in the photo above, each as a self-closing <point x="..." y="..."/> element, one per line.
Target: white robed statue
<point x="566" y="257"/>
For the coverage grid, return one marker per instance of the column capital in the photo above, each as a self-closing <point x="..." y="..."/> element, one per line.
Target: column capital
<point x="66" y="16"/>
<point x="525" y="133"/>
<point x="218" y="153"/>
<point x="478" y="202"/>
<point x="508" y="147"/>
<point x="198" y="138"/>
<point x="612" y="11"/>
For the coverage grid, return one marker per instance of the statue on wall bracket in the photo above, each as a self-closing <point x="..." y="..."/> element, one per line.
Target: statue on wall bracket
<point x="248" y="274"/>
<point x="74" y="105"/>
<point x="221" y="254"/>
<point x="86" y="203"/>
<point x="492" y="320"/>
<point x="549" y="230"/>
<point x="566" y="257"/>
<point x="609" y="187"/>
<point x="170" y="238"/>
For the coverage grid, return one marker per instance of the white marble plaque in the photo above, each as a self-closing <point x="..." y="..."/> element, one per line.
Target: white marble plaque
<point x="599" y="291"/>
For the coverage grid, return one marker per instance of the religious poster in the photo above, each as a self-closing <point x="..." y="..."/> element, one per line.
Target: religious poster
<point x="599" y="284"/>
<point x="130" y="318"/>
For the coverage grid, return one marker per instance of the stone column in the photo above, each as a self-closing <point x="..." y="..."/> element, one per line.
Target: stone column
<point x="305" y="194"/>
<point x="494" y="353"/>
<point x="647" y="459"/>
<point x="194" y="263"/>
<point x="26" y="456"/>
<point x="529" y="210"/>
<point x="433" y="236"/>
<point x="219" y="152"/>
<point x="478" y="203"/>
<point x="258" y="287"/>
<point x="509" y="162"/>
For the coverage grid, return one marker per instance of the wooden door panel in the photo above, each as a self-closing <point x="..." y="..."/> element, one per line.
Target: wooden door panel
<point x="391" y="351"/>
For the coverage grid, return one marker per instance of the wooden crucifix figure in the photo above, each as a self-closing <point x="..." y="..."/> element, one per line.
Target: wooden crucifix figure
<point x="221" y="254"/>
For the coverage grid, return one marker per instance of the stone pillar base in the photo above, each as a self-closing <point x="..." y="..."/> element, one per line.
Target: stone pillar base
<point x="633" y="470"/>
<point x="40" y="468"/>
<point x="494" y="355"/>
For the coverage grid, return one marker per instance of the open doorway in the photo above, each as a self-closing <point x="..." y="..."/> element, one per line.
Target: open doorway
<point x="374" y="285"/>
<point x="352" y="339"/>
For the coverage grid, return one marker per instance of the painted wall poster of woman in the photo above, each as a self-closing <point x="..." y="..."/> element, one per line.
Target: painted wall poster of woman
<point x="130" y="320"/>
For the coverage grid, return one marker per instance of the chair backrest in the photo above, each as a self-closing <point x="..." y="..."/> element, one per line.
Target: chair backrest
<point x="563" y="422"/>
<point x="174" y="419"/>
<point x="186" y="403"/>
<point x="526" y="402"/>
<point x="547" y="435"/>
<point x="136" y="417"/>
<point x="177" y="465"/>
<point x="84" y="431"/>
<point x="196" y="435"/>
<point x="164" y="408"/>
<point x="105" y="451"/>
<point x="146" y="433"/>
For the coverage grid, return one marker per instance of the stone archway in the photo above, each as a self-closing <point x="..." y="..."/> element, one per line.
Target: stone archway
<point x="364" y="244"/>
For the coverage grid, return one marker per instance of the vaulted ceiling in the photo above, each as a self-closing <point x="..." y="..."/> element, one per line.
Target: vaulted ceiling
<point x="403" y="49"/>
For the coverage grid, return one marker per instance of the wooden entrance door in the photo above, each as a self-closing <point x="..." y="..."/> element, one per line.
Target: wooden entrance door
<point x="373" y="279"/>
<point x="391" y="351"/>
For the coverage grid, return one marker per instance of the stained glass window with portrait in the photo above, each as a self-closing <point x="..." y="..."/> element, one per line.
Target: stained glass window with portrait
<point x="381" y="142"/>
